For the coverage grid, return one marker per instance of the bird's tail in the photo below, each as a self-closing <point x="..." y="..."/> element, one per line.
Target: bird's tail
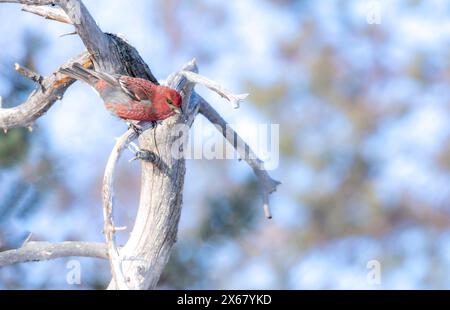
<point x="77" y="71"/>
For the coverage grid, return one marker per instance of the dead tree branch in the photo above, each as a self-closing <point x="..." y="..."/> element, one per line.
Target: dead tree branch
<point x="52" y="89"/>
<point x="216" y="87"/>
<point x="35" y="77"/>
<point x="267" y="184"/>
<point x="34" y="251"/>
<point x="30" y="2"/>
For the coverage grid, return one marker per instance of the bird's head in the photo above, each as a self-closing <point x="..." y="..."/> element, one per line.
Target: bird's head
<point x="173" y="100"/>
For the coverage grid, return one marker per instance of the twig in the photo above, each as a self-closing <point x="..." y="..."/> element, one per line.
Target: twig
<point x="33" y="251"/>
<point x="27" y="239"/>
<point x="48" y="12"/>
<point x="68" y="34"/>
<point x="268" y="185"/>
<point x="29" y="74"/>
<point x="216" y="87"/>
<point x="53" y="89"/>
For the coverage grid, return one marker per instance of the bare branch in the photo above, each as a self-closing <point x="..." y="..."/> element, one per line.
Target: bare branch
<point x="109" y="229"/>
<point x="48" y="12"/>
<point x="216" y="87"/>
<point x="40" y="100"/>
<point x="34" y="251"/>
<point x="29" y="74"/>
<point x="268" y="185"/>
<point x="30" y="2"/>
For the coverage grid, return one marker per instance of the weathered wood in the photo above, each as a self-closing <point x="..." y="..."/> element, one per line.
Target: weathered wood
<point x="39" y="251"/>
<point x="267" y="184"/>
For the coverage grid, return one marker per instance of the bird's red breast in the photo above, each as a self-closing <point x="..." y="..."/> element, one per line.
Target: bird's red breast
<point x="138" y="111"/>
<point x="139" y="99"/>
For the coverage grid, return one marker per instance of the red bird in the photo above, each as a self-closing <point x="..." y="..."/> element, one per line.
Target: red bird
<point x="128" y="97"/>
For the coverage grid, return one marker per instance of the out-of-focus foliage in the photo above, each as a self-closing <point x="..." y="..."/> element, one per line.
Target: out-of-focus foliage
<point x="13" y="147"/>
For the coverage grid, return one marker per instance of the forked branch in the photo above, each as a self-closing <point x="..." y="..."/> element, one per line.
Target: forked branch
<point x="216" y="87"/>
<point x="52" y="88"/>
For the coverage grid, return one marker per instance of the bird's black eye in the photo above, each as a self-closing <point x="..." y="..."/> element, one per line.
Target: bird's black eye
<point x="170" y="102"/>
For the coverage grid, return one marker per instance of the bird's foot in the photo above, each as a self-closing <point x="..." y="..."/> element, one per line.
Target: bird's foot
<point x="136" y="128"/>
<point x="141" y="154"/>
<point x="156" y="123"/>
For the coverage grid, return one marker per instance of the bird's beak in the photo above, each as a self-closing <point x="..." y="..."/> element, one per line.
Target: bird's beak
<point x="174" y="107"/>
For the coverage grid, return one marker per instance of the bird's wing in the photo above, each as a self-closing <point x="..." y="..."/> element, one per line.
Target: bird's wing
<point x="138" y="89"/>
<point x="112" y="79"/>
